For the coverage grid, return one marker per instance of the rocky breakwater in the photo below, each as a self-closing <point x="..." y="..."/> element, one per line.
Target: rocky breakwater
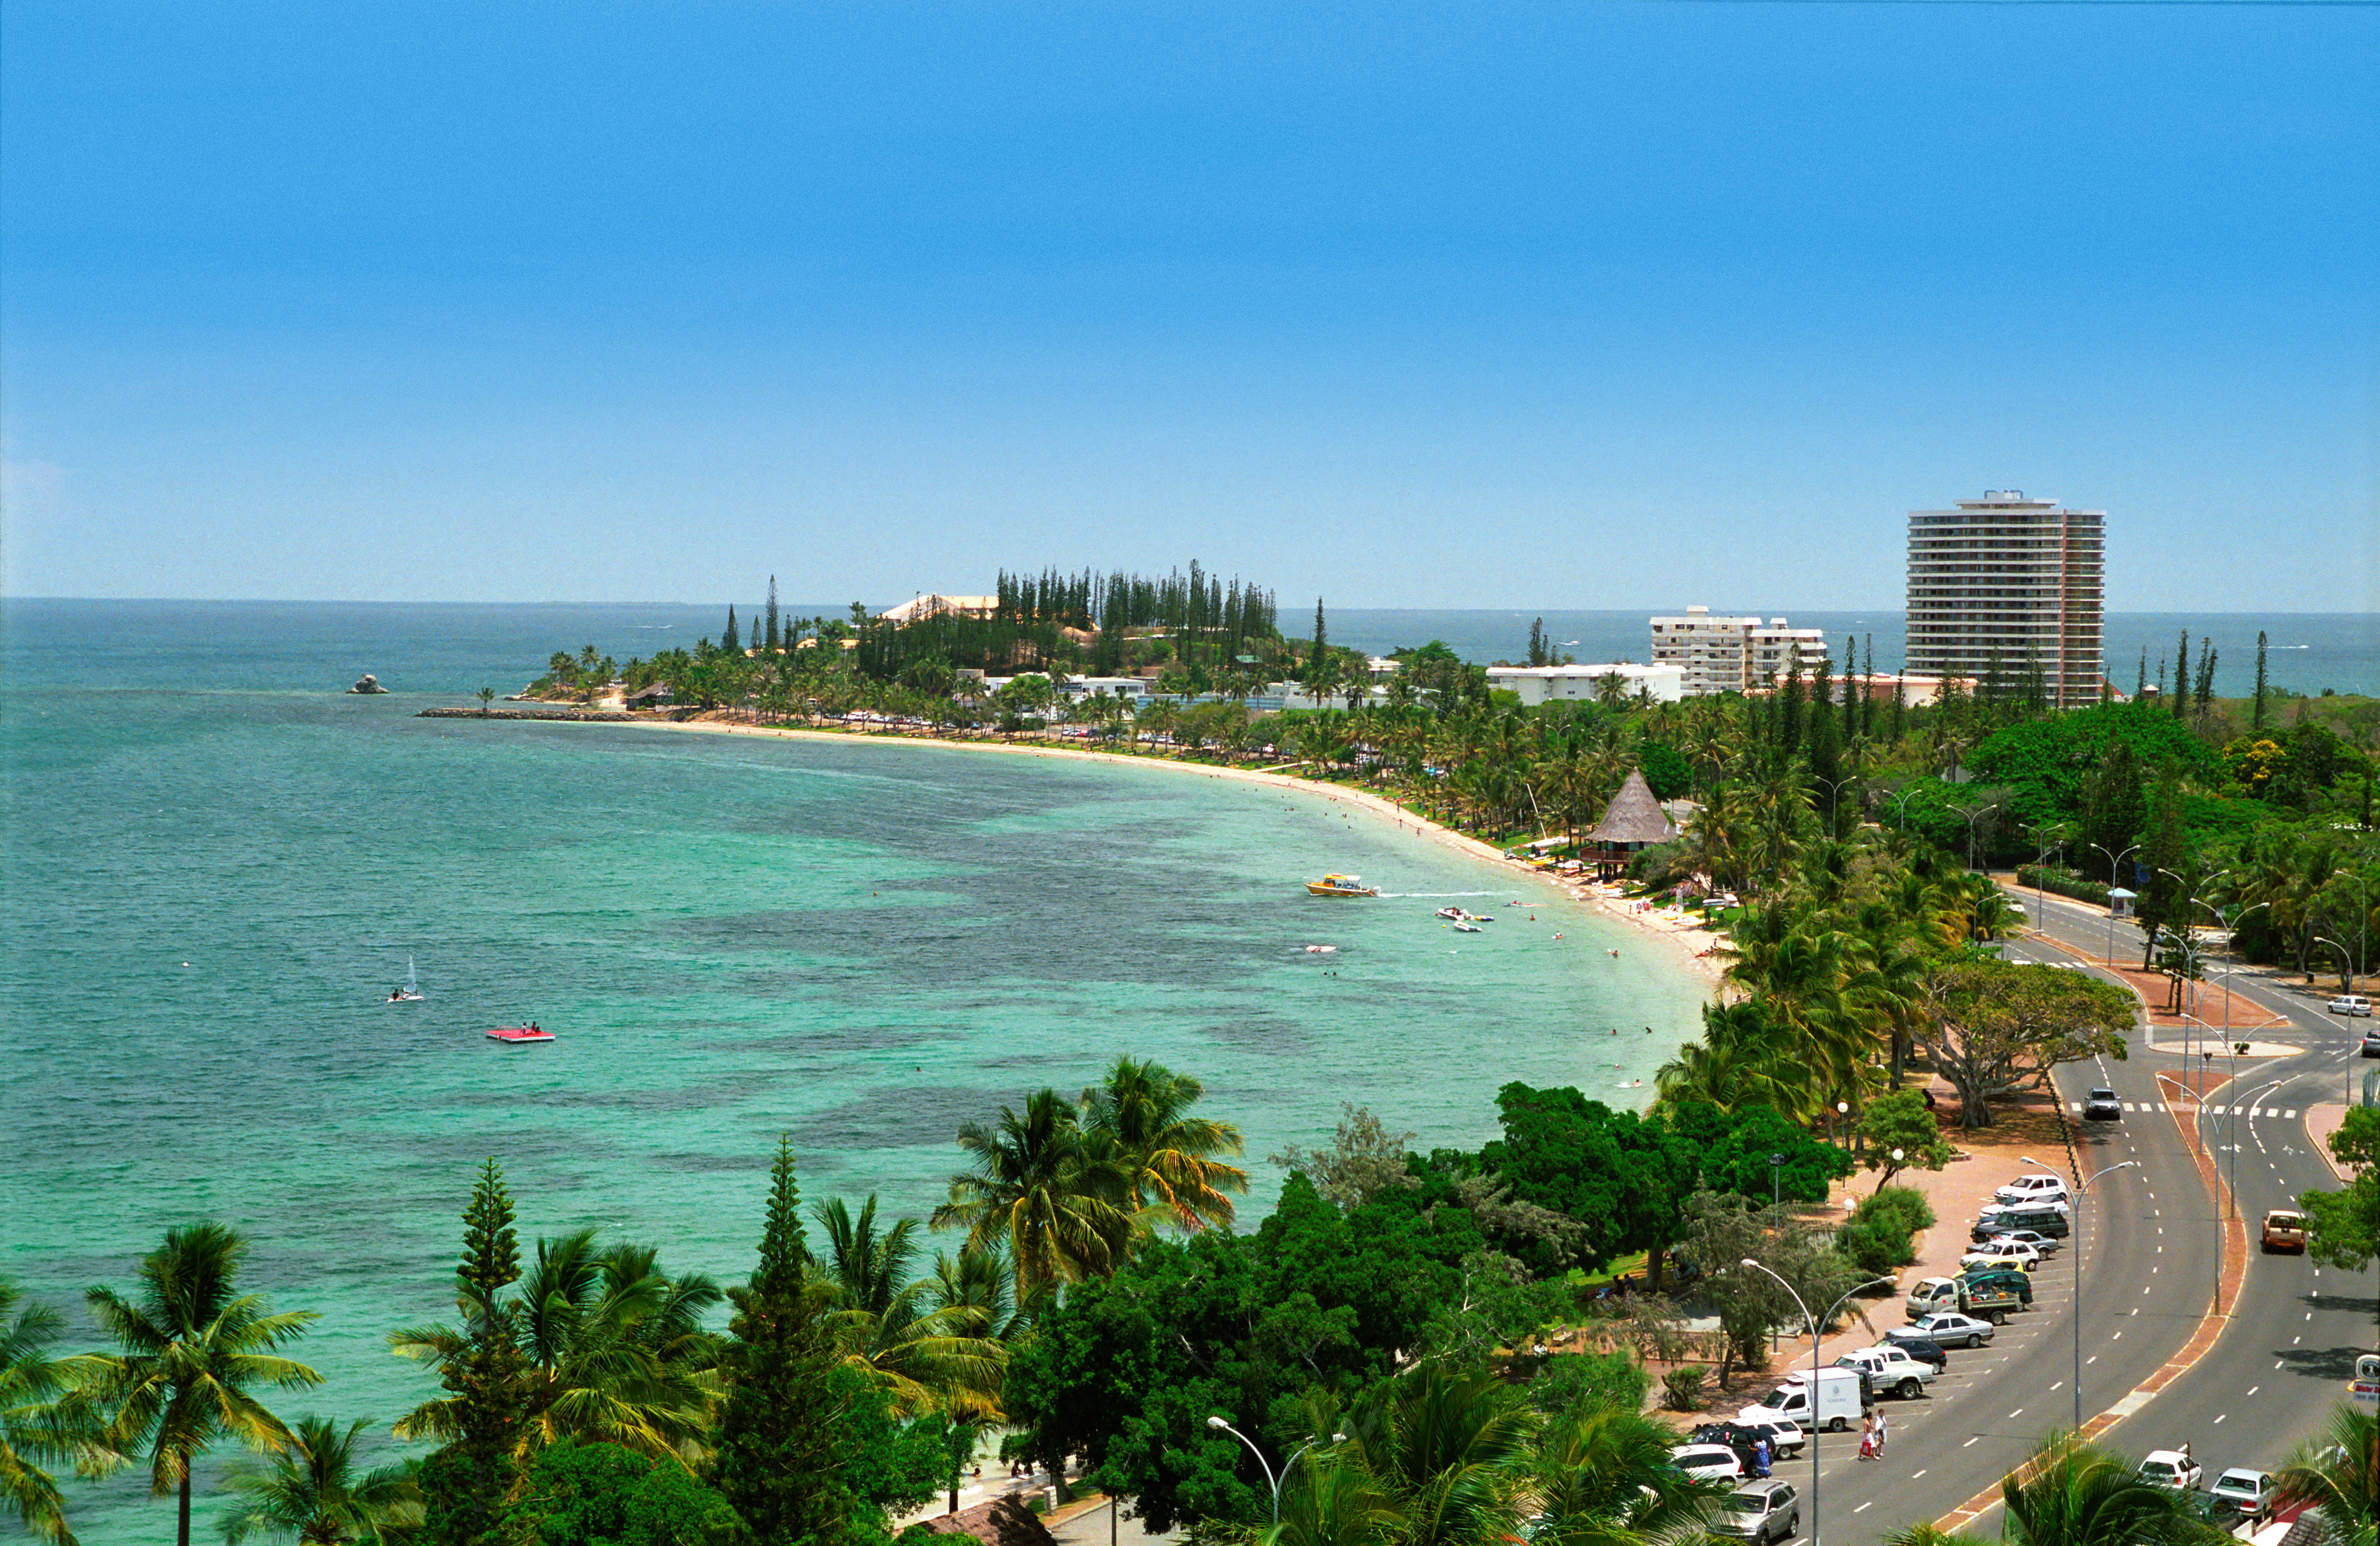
<point x="605" y="716"/>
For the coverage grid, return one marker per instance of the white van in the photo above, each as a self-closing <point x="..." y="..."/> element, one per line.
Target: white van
<point x="1838" y="1402"/>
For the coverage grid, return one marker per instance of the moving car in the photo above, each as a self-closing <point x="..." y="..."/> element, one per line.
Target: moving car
<point x="2351" y="1004"/>
<point x="1707" y="1462"/>
<point x="2101" y="1106"/>
<point x="2031" y="1189"/>
<point x="1951" y="1331"/>
<point x="2170" y="1467"/>
<point x="2285" y="1229"/>
<point x="2244" y="1493"/>
<point x="2371" y="1043"/>
<point x="1770" y="1511"/>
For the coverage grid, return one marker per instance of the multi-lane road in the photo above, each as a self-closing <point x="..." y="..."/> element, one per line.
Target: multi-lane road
<point x="2148" y="1261"/>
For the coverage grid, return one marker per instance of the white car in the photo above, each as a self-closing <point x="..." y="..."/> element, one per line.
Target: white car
<point x="1991" y="1211"/>
<point x="1707" y="1462"/>
<point x="1785" y="1436"/>
<point x="2030" y="1188"/>
<point x="1999" y="1254"/>
<point x="2170" y="1468"/>
<point x="1945" y="1330"/>
<point x="2247" y="1492"/>
<point x="2351" y="1004"/>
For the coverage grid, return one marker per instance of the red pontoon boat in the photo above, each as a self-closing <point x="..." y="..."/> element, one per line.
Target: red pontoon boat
<point x="517" y="1033"/>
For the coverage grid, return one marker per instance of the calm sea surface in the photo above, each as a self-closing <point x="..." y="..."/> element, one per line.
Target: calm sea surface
<point x="216" y="865"/>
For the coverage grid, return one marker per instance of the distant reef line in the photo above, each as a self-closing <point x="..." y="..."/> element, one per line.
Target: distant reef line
<point x="597" y="715"/>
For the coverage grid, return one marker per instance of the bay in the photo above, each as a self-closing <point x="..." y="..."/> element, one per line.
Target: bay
<point x="213" y="878"/>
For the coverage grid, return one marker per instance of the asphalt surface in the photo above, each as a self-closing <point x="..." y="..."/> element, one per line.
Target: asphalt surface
<point x="2150" y="1251"/>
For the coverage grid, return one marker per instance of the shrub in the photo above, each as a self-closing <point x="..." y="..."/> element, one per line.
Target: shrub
<point x="1904" y="1205"/>
<point x="1875" y="1246"/>
<point x="2062" y="883"/>
<point x="1682" y="1388"/>
<point x="1578" y="1383"/>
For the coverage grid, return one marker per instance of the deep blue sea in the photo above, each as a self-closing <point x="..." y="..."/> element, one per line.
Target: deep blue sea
<point x="217" y="864"/>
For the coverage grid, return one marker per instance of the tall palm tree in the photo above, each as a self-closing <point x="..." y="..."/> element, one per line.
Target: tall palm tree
<point x="191" y="1351"/>
<point x="1605" y="1478"/>
<point x="1169" y="1157"/>
<point x="1062" y="1207"/>
<point x="40" y="1423"/>
<point x="930" y="1356"/>
<point x="2338" y="1471"/>
<point x="310" y="1490"/>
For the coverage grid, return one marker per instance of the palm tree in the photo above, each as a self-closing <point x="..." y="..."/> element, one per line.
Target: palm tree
<point x="931" y="1356"/>
<point x="1063" y="1208"/>
<point x="310" y="1490"/>
<point x="2338" y="1471"/>
<point x="1168" y="1156"/>
<point x="191" y="1351"/>
<point x="39" y="1420"/>
<point x="2073" y="1493"/>
<point x="1605" y="1478"/>
<point x="1445" y="1450"/>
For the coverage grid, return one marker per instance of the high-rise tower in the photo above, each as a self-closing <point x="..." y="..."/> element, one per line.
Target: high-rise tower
<point x="2009" y="585"/>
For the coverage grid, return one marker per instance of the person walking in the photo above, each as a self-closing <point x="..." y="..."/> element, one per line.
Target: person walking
<point x="1882" y="1431"/>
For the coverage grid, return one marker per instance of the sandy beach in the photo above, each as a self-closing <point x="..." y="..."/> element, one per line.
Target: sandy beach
<point x="1677" y="935"/>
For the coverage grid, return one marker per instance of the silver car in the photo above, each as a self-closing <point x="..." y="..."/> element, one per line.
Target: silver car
<point x="1947" y="1330"/>
<point x="1763" y="1512"/>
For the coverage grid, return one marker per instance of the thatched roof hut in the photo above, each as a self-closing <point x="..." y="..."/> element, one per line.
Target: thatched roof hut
<point x="1633" y="822"/>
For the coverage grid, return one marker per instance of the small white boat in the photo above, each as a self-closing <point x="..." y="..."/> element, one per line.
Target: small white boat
<point x="1451" y="914"/>
<point x="1468" y="928"/>
<point x="1322" y="949"/>
<point x="411" y="992"/>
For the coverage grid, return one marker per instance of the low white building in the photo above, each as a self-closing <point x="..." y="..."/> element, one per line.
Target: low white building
<point x="1535" y="684"/>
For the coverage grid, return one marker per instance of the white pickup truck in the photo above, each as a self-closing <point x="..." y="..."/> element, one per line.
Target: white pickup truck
<point x="1891" y="1371"/>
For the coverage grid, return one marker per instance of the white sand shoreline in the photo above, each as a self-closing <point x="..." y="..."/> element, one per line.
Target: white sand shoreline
<point x="1687" y="943"/>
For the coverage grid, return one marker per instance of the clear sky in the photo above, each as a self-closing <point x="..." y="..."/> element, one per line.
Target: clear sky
<point x="1569" y="305"/>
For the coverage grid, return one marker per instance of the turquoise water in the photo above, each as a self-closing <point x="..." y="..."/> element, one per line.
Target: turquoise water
<point x="208" y="893"/>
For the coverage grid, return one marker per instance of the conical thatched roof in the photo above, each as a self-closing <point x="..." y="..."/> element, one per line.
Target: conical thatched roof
<point x="1633" y="815"/>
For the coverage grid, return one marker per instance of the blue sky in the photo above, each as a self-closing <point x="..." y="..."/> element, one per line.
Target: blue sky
<point x="1551" y="305"/>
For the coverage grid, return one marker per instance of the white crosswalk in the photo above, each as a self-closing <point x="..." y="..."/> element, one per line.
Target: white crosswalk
<point x="2273" y="1111"/>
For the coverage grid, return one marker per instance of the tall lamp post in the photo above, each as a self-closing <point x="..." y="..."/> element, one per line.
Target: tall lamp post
<point x="1812" y="1322"/>
<point x="1900" y="808"/>
<point x="2231" y="928"/>
<point x="2348" y="1093"/>
<point x="1980" y="811"/>
<point x="1270" y="1476"/>
<point x="2048" y="839"/>
<point x="2081" y="1186"/>
<point x="2114" y="862"/>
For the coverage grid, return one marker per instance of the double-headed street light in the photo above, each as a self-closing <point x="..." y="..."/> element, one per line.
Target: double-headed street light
<point x="2115" y="863"/>
<point x="1270" y="1475"/>
<point x="1813" y="1323"/>
<point x="2081" y="1187"/>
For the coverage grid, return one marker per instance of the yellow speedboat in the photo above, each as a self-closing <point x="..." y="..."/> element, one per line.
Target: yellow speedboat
<point x="1341" y="885"/>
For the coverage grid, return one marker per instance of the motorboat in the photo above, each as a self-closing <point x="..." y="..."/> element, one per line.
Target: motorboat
<point x="519" y="1035"/>
<point x="1341" y="885"/>
<point x="1451" y="914"/>
<point x="1467" y="927"/>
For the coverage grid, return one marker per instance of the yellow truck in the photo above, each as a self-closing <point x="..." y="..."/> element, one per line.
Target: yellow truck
<point x="2285" y="1229"/>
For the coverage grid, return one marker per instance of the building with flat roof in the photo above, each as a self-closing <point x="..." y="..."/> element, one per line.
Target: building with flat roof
<point x="1537" y="684"/>
<point x="1732" y="654"/>
<point x="2003" y="586"/>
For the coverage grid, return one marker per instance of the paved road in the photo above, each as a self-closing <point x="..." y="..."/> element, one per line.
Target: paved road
<point x="2149" y="1248"/>
<point x="2150" y="1252"/>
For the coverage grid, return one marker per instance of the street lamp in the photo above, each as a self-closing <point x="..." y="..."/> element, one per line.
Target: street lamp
<point x="1776" y="1167"/>
<point x="2114" y="862"/>
<point x="1900" y="808"/>
<point x="1812" y="1322"/>
<point x="2081" y="1187"/>
<point x="1982" y="809"/>
<point x="1218" y="1424"/>
<point x="2051" y="838"/>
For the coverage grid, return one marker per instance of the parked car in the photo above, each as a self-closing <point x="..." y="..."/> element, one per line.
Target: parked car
<point x="1785" y="1436"/>
<point x="1892" y="1372"/>
<point x="1925" y="1351"/>
<point x="1982" y="1286"/>
<point x="1992" y="1295"/>
<point x="2039" y="1218"/>
<point x="2002" y="1210"/>
<point x="1998" y="1255"/>
<point x="1951" y="1331"/>
<point x="2171" y="1468"/>
<point x="2285" y="1229"/>
<point x="1771" y="1511"/>
<point x="2371" y="1043"/>
<point x="1707" y="1462"/>
<point x="2241" y="1493"/>
<point x="2351" y="1004"/>
<point x="2046" y="1244"/>
<point x="2032" y="1188"/>
<point x="2101" y="1106"/>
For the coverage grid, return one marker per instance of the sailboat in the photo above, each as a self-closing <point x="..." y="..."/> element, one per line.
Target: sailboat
<point x="411" y="992"/>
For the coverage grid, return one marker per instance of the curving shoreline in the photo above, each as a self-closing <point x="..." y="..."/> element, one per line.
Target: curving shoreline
<point x="1685" y="943"/>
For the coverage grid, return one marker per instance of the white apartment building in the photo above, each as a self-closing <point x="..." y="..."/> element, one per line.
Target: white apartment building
<point x="1732" y="654"/>
<point x="1537" y="684"/>
<point x="2009" y="584"/>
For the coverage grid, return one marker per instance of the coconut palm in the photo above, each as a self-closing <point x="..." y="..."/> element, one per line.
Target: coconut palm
<point x="2337" y="1470"/>
<point x="1059" y="1204"/>
<point x="1446" y="1449"/>
<point x="310" y="1491"/>
<point x="1605" y="1478"/>
<point x="191" y="1351"/>
<point x="931" y="1356"/>
<point x="40" y="1422"/>
<point x="1169" y="1156"/>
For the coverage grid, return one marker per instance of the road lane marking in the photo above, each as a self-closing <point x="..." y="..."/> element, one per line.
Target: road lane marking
<point x="1971" y="1443"/>
<point x="1865" y="1507"/>
<point x="2218" y="1421"/>
<point x="2254" y="1389"/>
<point x="1915" y="1475"/>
